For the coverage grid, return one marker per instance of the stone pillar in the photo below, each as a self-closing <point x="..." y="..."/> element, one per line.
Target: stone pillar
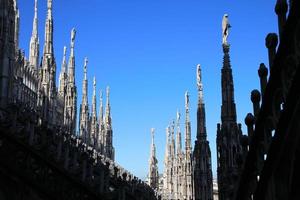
<point x="263" y="76"/>
<point x="255" y="98"/>
<point x="249" y="121"/>
<point x="281" y="10"/>
<point x="271" y="44"/>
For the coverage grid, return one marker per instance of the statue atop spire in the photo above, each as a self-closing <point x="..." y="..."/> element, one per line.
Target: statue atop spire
<point x="107" y="109"/>
<point x="202" y="174"/>
<point x="49" y="6"/>
<point x="71" y="66"/>
<point x="187" y="100"/>
<point x="63" y="75"/>
<point x="34" y="46"/>
<point x="64" y="62"/>
<point x="153" y="168"/>
<point x="73" y="35"/>
<point x="225" y="29"/>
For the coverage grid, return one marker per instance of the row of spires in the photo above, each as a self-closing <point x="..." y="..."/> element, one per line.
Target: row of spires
<point x="187" y="173"/>
<point x="94" y="130"/>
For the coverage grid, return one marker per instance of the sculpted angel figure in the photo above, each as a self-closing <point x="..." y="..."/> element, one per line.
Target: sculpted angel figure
<point x="225" y="28"/>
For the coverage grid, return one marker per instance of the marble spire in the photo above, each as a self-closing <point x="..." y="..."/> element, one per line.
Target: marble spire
<point x="34" y="47"/>
<point x="202" y="173"/>
<point x="84" y="107"/>
<point x="48" y="46"/>
<point x="101" y="124"/>
<point x="108" y="133"/>
<point x="94" y="124"/>
<point x="178" y="136"/>
<point x="71" y="65"/>
<point x="201" y="125"/>
<point x="153" y="179"/>
<point x="17" y="25"/>
<point x="71" y="104"/>
<point x="188" y="177"/>
<point x="188" y="146"/>
<point x="63" y="75"/>
<point x="107" y="110"/>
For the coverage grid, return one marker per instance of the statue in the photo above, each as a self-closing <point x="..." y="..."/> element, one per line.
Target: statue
<point x="152" y="133"/>
<point x="178" y="116"/>
<point x="187" y="100"/>
<point x="199" y="77"/>
<point x="225" y="29"/>
<point x="73" y="34"/>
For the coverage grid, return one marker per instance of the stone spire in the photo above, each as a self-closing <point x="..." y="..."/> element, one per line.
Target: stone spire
<point x="173" y="148"/>
<point x="167" y="167"/>
<point x="201" y="126"/>
<point x="188" y="190"/>
<point x="71" y="103"/>
<point x="202" y="154"/>
<point x="47" y="89"/>
<point x="63" y="75"/>
<point x="107" y="110"/>
<point x="34" y="47"/>
<point x="84" y="107"/>
<point x="108" y="136"/>
<point x="94" y="125"/>
<point x="71" y="65"/>
<point x="17" y="25"/>
<point x="228" y="104"/>
<point x="178" y="136"/>
<point x="153" y="168"/>
<point x="101" y="125"/>
<point x="188" y="146"/>
<point x="230" y="153"/>
<point x="48" y="46"/>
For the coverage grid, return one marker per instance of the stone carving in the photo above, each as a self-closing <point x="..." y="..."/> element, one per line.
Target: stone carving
<point x="199" y="84"/>
<point x="225" y="29"/>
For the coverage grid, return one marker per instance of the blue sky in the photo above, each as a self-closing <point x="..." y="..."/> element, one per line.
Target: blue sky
<point x="147" y="52"/>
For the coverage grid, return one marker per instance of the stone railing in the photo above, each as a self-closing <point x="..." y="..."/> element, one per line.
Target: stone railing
<point x="271" y="124"/>
<point x="69" y="158"/>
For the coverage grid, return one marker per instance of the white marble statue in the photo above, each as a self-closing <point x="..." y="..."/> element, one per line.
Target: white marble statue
<point x="225" y="28"/>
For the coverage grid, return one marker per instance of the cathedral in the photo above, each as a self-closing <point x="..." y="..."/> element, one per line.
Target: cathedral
<point x="187" y="172"/>
<point x="33" y="81"/>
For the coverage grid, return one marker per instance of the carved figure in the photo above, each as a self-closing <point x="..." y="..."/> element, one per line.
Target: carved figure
<point x="225" y="28"/>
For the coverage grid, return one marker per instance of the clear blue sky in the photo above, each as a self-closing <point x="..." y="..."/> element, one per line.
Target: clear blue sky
<point x="147" y="52"/>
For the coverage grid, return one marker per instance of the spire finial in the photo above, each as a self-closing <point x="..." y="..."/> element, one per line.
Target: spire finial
<point x="199" y="84"/>
<point x="35" y="9"/>
<point x="225" y="29"/>
<point x="107" y="93"/>
<point x="85" y="68"/>
<point x="152" y="134"/>
<point x="64" y="63"/>
<point x="178" y="117"/>
<point x="73" y="35"/>
<point x="49" y="6"/>
<point x="187" y="100"/>
<point x="94" y="84"/>
<point x="107" y="109"/>
<point x="65" y="51"/>
<point x="101" y="96"/>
